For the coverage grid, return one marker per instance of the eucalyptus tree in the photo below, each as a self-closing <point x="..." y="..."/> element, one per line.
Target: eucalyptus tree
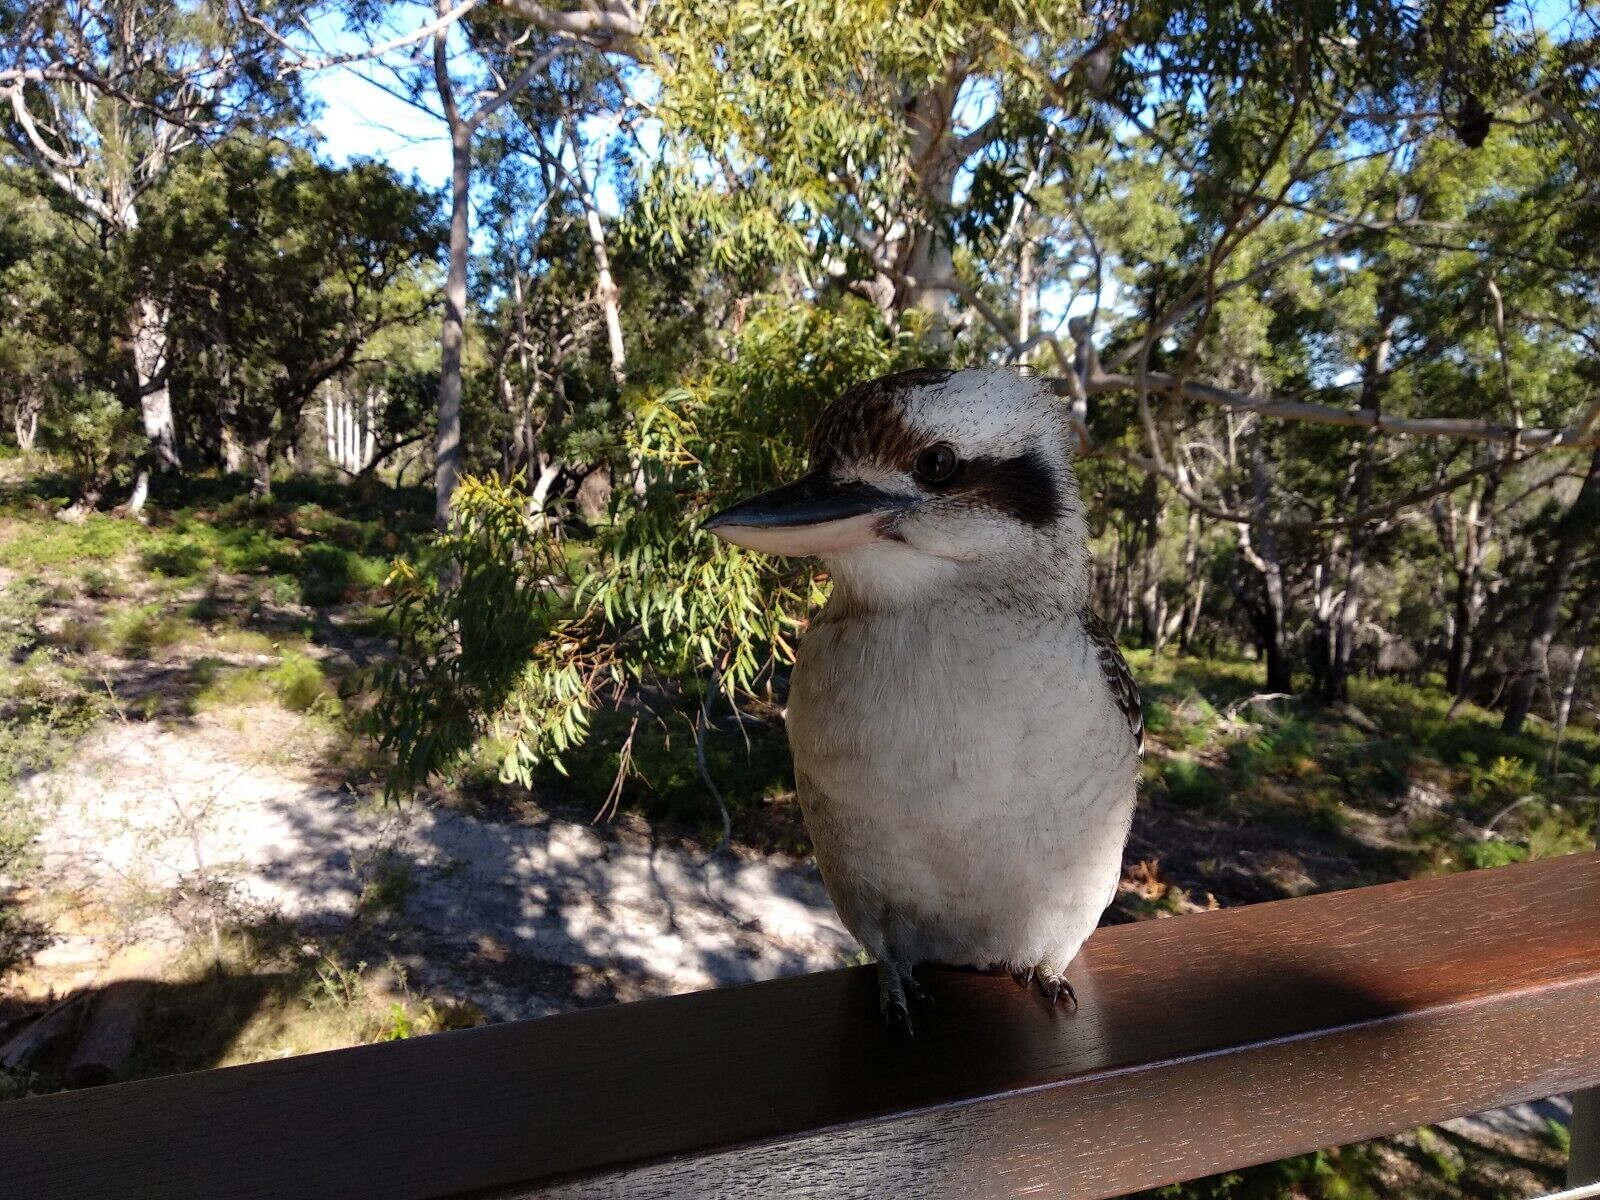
<point x="539" y="318"/>
<point x="102" y="98"/>
<point x="277" y="270"/>
<point x="480" y="61"/>
<point x="34" y="358"/>
<point x="464" y="126"/>
<point x="1222" y="189"/>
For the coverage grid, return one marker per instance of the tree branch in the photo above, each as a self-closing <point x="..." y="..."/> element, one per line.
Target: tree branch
<point x="491" y="106"/>
<point x="442" y="21"/>
<point x="613" y="25"/>
<point x="1582" y="433"/>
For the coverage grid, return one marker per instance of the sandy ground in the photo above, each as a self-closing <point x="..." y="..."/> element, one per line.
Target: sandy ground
<point x="523" y="916"/>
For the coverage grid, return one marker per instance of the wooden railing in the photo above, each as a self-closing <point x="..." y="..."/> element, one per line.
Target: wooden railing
<point x="1202" y="1043"/>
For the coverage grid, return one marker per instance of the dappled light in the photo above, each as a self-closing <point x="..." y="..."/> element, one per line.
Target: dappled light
<point x="1176" y="433"/>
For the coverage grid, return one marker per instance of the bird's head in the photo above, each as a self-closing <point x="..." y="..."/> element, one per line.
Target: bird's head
<point x="931" y="479"/>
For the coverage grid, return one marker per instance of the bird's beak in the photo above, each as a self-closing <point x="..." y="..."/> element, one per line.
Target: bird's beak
<point x="816" y="514"/>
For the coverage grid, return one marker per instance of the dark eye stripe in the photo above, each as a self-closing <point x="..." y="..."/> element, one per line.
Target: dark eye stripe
<point x="1023" y="487"/>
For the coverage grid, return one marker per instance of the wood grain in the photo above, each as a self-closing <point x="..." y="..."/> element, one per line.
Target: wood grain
<point x="1202" y="1043"/>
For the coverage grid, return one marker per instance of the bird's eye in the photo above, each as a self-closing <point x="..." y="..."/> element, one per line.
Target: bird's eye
<point x="936" y="464"/>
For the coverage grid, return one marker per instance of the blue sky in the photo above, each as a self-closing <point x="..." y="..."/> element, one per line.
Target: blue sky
<point x="360" y="119"/>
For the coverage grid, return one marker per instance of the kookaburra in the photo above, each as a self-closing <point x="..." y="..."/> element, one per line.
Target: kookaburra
<point x="966" y="735"/>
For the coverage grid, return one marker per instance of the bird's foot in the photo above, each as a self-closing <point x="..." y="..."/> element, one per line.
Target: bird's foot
<point x="895" y="987"/>
<point x="1052" y="983"/>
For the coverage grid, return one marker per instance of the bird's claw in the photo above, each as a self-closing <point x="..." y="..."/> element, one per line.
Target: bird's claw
<point x="1055" y="987"/>
<point x="895" y="985"/>
<point x="897" y="1017"/>
<point x="1052" y="983"/>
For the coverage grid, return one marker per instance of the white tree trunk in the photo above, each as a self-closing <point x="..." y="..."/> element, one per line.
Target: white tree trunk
<point x="453" y="326"/>
<point x="347" y="426"/>
<point x="149" y="335"/>
<point x="25" y="421"/>
<point x="1569" y="689"/>
<point x="1025" y="286"/>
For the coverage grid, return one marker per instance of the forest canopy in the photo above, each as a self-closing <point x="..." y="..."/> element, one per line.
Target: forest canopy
<point x="1320" y="284"/>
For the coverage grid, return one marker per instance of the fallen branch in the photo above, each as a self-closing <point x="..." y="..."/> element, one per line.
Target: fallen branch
<point x="1231" y="713"/>
<point x="56" y="1022"/>
<point x="109" y="1039"/>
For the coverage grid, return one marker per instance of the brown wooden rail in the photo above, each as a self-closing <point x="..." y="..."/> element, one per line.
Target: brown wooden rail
<point x="1203" y="1043"/>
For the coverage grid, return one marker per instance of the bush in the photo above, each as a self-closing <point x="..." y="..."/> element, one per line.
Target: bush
<point x="138" y="631"/>
<point x="296" y="682"/>
<point x="662" y="599"/>
<point x="300" y="684"/>
<point x="1191" y="784"/>
<point x="1493" y="854"/>
<point x="94" y="432"/>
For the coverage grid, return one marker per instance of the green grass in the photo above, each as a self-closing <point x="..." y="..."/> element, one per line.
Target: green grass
<point x="139" y="630"/>
<point x="39" y="541"/>
<point x="315" y="543"/>
<point x="1298" y="765"/>
<point x="297" y="682"/>
<point x="388" y="881"/>
<point x="1191" y="784"/>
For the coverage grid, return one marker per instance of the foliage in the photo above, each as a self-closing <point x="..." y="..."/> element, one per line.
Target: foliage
<point x="45" y="706"/>
<point x="475" y="634"/>
<point x="481" y="647"/>
<point x="277" y="270"/>
<point x="93" y="431"/>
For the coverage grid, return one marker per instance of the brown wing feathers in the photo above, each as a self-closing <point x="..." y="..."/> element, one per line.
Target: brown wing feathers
<point x="1115" y="668"/>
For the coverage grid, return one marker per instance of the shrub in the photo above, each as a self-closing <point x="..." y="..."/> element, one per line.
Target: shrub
<point x="1493" y="854"/>
<point x="662" y="599"/>
<point x="138" y="631"/>
<point x="1191" y="784"/>
<point x="94" y="432"/>
<point x="300" y="685"/>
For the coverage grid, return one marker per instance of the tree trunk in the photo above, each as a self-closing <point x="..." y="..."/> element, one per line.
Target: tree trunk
<point x="1025" y="287"/>
<point x="1464" y="616"/>
<point x="1575" y="524"/>
<point x="606" y="290"/>
<point x="148" y="330"/>
<point x="261" y="467"/>
<point x="25" y="420"/>
<point x="606" y="287"/>
<point x="447" y="444"/>
<point x="927" y="263"/>
<point x="1261" y="546"/>
<point x="1569" y="689"/>
<point x="1344" y="630"/>
<point x="1152" y="616"/>
<point x="1477" y="534"/>
<point x="1375" y="378"/>
<point x="549" y="472"/>
<point x="1324" y="603"/>
<point x="1194" y="584"/>
<point x="232" y="451"/>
